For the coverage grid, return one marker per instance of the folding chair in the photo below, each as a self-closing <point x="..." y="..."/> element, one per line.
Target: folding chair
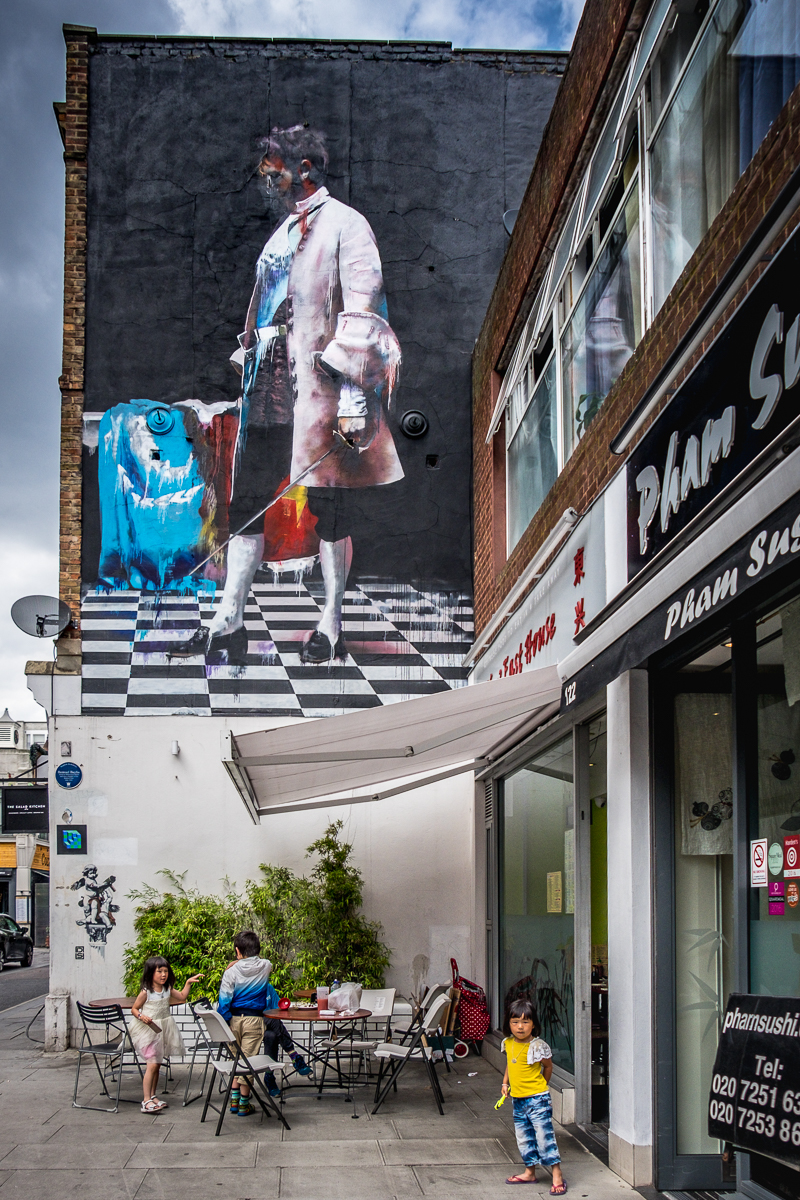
<point x="236" y="1062"/>
<point x="432" y="994"/>
<point x="201" y="1042"/>
<point x="111" y="1017"/>
<point x="380" y="1002"/>
<point x="417" y="1050"/>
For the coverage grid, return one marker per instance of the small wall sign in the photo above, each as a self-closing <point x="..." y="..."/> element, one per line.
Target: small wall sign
<point x="775" y="858"/>
<point x="755" y="1101"/>
<point x="68" y="775"/>
<point x="758" y="863"/>
<point x="71" y="839"/>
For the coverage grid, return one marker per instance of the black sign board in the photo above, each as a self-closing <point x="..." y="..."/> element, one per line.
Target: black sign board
<point x="25" y="810"/>
<point x="760" y="553"/>
<point x="755" y="1089"/>
<point x="71" y="839"/>
<point x="736" y="401"/>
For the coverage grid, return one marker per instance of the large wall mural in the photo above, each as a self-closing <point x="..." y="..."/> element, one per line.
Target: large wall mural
<point x="291" y="535"/>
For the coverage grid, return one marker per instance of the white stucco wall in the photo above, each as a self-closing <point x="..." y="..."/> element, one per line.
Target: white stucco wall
<point x="146" y="809"/>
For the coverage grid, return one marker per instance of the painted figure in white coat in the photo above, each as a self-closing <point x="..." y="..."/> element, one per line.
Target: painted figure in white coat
<point x="319" y="363"/>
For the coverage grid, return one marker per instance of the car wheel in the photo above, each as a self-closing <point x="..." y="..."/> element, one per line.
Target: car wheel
<point x="28" y="959"/>
<point x="2" y="960"/>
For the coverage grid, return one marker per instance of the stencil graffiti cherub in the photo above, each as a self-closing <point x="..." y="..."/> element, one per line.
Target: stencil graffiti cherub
<point x="98" y="896"/>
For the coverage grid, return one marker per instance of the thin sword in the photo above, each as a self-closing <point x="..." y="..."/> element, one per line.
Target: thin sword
<point x="294" y="482"/>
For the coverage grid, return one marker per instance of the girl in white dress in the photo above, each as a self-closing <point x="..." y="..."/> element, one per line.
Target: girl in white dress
<point x="153" y="1031"/>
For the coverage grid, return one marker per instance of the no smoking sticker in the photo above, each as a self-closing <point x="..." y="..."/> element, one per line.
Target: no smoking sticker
<point x="758" y="863"/>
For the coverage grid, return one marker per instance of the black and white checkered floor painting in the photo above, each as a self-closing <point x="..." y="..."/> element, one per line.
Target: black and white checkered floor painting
<point x="401" y="643"/>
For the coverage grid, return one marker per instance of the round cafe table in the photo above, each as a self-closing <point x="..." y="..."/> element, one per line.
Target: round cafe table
<point x="122" y="1001"/>
<point x="310" y="1017"/>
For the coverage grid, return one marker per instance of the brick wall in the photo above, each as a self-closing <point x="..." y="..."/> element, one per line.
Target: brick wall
<point x="592" y="465"/>
<point x="73" y="122"/>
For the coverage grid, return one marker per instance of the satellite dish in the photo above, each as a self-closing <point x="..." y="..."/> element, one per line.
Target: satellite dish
<point x="41" y="616"/>
<point x="509" y="220"/>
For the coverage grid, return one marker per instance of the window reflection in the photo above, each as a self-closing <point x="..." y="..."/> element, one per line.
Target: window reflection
<point x="605" y="327"/>
<point x="744" y="69"/>
<point x="533" y="456"/>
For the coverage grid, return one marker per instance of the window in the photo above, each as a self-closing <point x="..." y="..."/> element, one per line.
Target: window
<point x="606" y="323"/>
<point x="706" y="132"/>
<point x="706" y="81"/>
<point x="532" y="450"/>
<point x="5" y="734"/>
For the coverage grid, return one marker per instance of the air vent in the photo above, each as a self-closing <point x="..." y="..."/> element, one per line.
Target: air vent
<point x="488" y="802"/>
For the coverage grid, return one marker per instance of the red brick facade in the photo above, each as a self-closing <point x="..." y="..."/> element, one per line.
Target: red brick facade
<point x="601" y="51"/>
<point x="73" y="121"/>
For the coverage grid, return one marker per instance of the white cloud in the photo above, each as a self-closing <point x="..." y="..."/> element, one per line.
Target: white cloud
<point x="462" y="22"/>
<point x="25" y="570"/>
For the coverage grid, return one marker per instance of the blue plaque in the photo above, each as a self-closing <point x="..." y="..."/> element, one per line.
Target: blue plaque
<point x="68" y="775"/>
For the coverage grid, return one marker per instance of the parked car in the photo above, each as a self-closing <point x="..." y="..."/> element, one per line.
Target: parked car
<point x="15" y="944"/>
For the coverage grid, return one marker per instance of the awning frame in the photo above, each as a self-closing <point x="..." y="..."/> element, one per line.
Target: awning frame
<point x="519" y="716"/>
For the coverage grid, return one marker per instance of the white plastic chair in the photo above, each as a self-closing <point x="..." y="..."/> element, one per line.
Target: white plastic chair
<point x="417" y="1049"/>
<point x="236" y="1062"/>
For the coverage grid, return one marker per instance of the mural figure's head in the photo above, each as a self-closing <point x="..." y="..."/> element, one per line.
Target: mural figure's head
<point x="294" y="163"/>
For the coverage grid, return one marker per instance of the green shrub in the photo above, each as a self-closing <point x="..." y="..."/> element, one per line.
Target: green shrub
<point x="310" y="928"/>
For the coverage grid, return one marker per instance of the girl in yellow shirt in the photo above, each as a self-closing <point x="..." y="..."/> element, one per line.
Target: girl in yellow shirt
<point x="529" y="1064"/>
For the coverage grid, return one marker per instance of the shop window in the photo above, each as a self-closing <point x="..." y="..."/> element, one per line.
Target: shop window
<point x="775" y="923"/>
<point x="775" y="815"/>
<point x="538" y="895"/>
<point x="746" y="64"/>
<point x="703" y="886"/>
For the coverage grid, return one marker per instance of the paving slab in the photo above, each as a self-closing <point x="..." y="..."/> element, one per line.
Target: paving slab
<point x="13" y="1133"/>
<point x="304" y="1183"/>
<point x="305" y="1128"/>
<point x="310" y="1154"/>
<point x="73" y="1185"/>
<point x="213" y="1154"/>
<point x="439" y="1151"/>
<point x="449" y="1127"/>
<point x="80" y="1156"/>
<point x="483" y="1180"/>
<point x="233" y="1183"/>
<point x="147" y="1131"/>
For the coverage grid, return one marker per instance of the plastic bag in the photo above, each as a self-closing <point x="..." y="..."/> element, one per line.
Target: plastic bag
<point x="346" y="998"/>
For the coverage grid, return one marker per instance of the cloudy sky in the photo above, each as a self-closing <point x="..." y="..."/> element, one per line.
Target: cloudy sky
<point x="32" y="208"/>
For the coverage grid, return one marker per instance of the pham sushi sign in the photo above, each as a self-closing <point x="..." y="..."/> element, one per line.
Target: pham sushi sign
<point x="738" y="399"/>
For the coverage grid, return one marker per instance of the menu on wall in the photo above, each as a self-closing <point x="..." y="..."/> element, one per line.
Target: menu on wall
<point x="755" y="1087"/>
<point x="569" y="870"/>
<point x="554" y="892"/>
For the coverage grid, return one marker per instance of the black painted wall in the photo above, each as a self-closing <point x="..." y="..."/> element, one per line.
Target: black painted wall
<point x="431" y="145"/>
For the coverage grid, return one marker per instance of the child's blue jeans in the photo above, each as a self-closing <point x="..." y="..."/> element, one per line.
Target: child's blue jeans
<point x="533" y="1128"/>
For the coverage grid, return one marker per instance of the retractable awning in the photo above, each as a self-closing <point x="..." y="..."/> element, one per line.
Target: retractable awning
<point x="387" y="750"/>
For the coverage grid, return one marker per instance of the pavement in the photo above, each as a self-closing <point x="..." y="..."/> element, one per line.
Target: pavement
<point x="48" y="1148"/>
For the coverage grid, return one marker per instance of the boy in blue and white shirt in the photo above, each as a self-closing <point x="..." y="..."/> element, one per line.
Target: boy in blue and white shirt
<point x="244" y="993"/>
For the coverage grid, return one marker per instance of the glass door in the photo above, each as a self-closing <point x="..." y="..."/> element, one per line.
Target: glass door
<point x="694" y="911"/>
<point x="537" y="895"/>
